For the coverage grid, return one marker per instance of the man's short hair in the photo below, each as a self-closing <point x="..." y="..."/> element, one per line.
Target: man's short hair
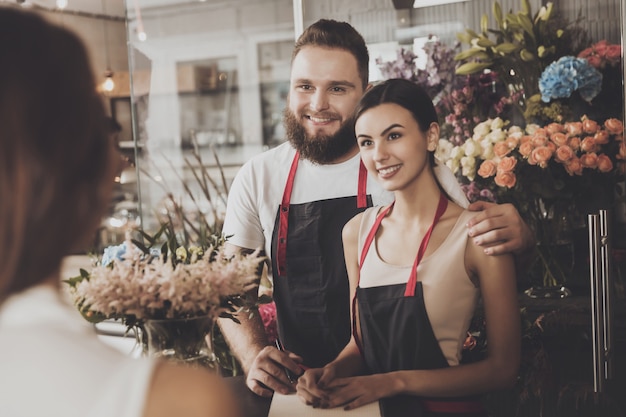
<point x="334" y="34"/>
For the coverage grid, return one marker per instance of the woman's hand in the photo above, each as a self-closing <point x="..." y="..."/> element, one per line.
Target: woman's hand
<point x="311" y="385"/>
<point x="354" y="392"/>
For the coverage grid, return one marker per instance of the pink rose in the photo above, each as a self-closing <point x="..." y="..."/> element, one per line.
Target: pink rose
<point x="559" y="138"/>
<point x="601" y="137"/>
<point x="505" y="179"/>
<point x="574" y="143"/>
<point x="564" y="153"/>
<point x="604" y="163"/>
<point x="553" y="128"/>
<point x="588" y="144"/>
<point x="512" y="141"/>
<point x="622" y="151"/>
<point x="541" y="155"/>
<point x="526" y="149"/>
<point x="487" y="169"/>
<point x="589" y="160"/>
<point x="507" y="164"/>
<point x="590" y="126"/>
<point x="573" y="128"/>
<point x="574" y="167"/>
<point x="501" y="149"/>
<point x="614" y="54"/>
<point x="614" y="126"/>
<point x="540" y="137"/>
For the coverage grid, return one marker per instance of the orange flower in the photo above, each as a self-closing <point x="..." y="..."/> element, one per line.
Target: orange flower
<point x="589" y="160"/>
<point x="541" y="155"/>
<point x="564" y="153"/>
<point x="487" y="169"/>
<point x="559" y="138"/>
<point x="604" y="163"/>
<point x="526" y="149"/>
<point x="553" y="128"/>
<point x="614" y="126"/>
<point x="573" y="128"/>
<point x="540" y="138"/>
<point x="589" y="144"/>
<point x="622" y="151"/>
<point x="501" y="149"/>
<point x="574" y="143"/>
<point x="601" y="137"/>
<point x="507" y="164"/>
<point x="512" y="141"/>
<point x="590" y="126"/>
<point x="574" y="167"/>
<point x="505" y="179"/>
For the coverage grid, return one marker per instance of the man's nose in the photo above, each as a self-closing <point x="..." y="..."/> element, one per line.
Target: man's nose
<point x="319" y="101"/>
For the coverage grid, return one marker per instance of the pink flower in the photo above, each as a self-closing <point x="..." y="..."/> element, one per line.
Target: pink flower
<point x="604" y="163"/>
<point x="487" y="169"/>
<point x="505" y="179"/>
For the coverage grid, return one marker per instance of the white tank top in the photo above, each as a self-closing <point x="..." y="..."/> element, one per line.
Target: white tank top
<point x="52" y="363"/>
<point x="450" y="296"/>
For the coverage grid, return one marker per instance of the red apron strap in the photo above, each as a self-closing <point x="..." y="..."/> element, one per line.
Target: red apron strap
<point x="368" y="241"/>
<point x="361" y="198"/>
<point x="412" y="283"/>
<point x="283" y="224"/>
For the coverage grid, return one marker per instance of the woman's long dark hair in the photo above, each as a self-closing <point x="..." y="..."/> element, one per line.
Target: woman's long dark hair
<point x="55" y="154"/>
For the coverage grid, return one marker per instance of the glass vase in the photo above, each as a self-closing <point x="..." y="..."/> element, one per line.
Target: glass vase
<point x="187" y="341"/>
<point x="554" y="254"/>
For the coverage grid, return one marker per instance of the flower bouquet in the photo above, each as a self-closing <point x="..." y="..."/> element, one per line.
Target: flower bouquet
<point x="170" y="296"/>
<point x="552" y="174"/>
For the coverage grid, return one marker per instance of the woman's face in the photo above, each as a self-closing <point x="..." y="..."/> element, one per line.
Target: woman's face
<point x="393" y="147"/>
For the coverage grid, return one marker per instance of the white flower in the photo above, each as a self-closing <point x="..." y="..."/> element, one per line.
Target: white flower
<point x="482" y="129"/>
<point x="487" y="150"/>
<point x="454" y="165"/>
<point x="531" y="128"/>
<point x="471" y="148"/>
<point x="496" y="135"/>
<point x="444" y="150"/>
<point x="468" y="165"/>
<point x="497" y="123"/>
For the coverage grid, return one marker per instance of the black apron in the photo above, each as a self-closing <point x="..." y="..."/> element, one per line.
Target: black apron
<point x="311" y="288"/>
<point x="397" y="335"/>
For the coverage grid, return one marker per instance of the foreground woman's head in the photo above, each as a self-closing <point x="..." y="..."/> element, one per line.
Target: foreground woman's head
<point x="56" y="162"/>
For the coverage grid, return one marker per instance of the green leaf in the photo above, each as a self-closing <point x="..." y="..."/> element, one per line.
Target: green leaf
<point x="506" y="48"/>
<point x="526" y="55"/>
<point x="527" y="24"/>
<point x="484" y="23"/>
<point x="472" y="68"/>
<point x="497" y="14"/>
<point x="485" y="42"/>
<point x="470" y="53"/>
<point x="526" y="7"/>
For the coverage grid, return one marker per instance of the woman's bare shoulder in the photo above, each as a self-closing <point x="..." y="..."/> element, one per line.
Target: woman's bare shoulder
<point x="188" y="392"/>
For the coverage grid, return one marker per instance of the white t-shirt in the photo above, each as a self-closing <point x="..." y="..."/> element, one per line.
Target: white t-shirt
<point x="52" y="363"/>
<point x="258" y="189"/>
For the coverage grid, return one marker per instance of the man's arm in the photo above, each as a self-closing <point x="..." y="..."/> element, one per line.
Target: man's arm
<point x="263" y="364"/>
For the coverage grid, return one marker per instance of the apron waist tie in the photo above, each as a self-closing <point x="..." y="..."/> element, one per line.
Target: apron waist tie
<point x="467" y="406"/>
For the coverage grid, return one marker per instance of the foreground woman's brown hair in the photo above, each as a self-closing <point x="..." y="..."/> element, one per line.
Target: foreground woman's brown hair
<point x="57" y="165"/>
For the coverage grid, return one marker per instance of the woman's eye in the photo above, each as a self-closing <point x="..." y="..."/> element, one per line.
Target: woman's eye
<point x="394" y="135"/>
<point x="365" y="142"/>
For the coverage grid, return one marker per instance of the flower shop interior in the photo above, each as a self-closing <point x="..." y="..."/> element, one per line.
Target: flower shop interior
<point x="194" y="88"/>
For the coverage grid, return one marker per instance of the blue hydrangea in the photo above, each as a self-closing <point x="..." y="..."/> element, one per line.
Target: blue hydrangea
<point x="561" y="78"/>
<point x="113" y="252"/>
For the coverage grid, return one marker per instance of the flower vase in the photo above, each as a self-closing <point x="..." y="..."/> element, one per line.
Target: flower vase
<point x="188" y="341"/>
<point x="554" y="252"/>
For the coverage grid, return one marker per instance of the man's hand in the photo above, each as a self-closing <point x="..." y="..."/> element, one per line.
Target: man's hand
<point x="267" y="372"/>
<point x="499" y="229"/>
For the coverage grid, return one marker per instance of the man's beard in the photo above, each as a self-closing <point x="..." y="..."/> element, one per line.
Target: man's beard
<point x="320" y="149"/>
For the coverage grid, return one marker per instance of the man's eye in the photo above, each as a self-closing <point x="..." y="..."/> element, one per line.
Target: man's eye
<point x="338" y="89"/>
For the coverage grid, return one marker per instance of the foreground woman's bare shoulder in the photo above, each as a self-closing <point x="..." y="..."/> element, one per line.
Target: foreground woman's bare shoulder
<point x="188" y="392"/>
